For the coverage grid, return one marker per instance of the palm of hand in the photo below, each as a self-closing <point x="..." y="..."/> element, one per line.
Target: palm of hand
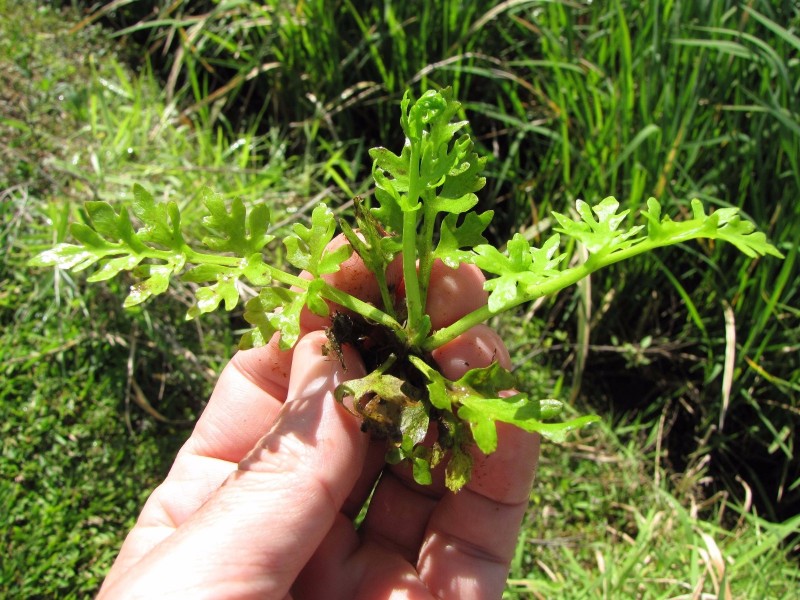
<point x="261" y="499"/>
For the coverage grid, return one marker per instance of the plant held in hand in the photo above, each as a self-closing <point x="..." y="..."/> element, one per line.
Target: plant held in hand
<point x="423" y="215"/>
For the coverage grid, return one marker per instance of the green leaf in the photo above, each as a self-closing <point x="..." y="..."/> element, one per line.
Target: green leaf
<point x="114" y="266"/>
<point x="519" y="411"/>
<point x="456" y="174"/>
<point x="422" y="458"/>
<point x="209" y="297"/>
<point x="275" y="309"/>
<point x="156" y="283"/>
<point x="392" y="183"/>
<point x="421" y="469"/>
<point x="256" y="312"/>
<point x="488" y="380"/>
<point x="377" y="383"/>
<point x="389" y="406"/>
<point x="90" y="238"/>
<point x="388" y="211"/>
<point x="127" y="235"/>
<point x="234" y="230"/>
<point x="314" y="300"/>
<point x="287" y="320"/>
<point x="256" y="271"/>
<point x="387" y="162"/>
<point x="375" y="246"/>
<point x="520" y="269"/>
<point x="724" y="223"/>
<point x="457" y="240"/>
<point x="444" y="171"/>
<point x="205" y="272"/>
<point x="160" y="221"/>
<point x="207" y="300"/>
<point x="306" y="248"/>
<point x="65" y="256"/>
<point x="458" y="470"/>
<point x="438" y="393"/>
<point x="598" y="227"/>
<point x="414" y="421"/>
<point x="475" y="398"/>
<point x="467" y="179"/>
<point x="105" y="220"/>
<point x="372" y="243"/>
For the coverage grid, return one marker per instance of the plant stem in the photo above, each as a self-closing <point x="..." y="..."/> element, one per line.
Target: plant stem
<point x="386" y="296"/>
<point x="203" y="258"/>
<point x="447" y="334"/>
<point x="328" y="292"/>
<point x="413" y="298"/>
<point x="548" y="286"/>
<point x="364" y="309"/>
<point x="556" y="283"/>
<point x="425" y="262"/>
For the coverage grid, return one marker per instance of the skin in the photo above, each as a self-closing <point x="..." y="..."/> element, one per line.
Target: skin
<point x="261" y="499"/>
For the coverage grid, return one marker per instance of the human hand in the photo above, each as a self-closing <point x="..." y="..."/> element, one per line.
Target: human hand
<point x="261" y="499"/>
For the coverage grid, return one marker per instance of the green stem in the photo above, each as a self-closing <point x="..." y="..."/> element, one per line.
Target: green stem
<point x="476" y="317"/>
<point x="448" y="334"/>
<point x="386" y="296"/>
<point x="193" y="256"/>
<point x="328" y="292"/>
<point x="425" y="262"/>
<point x="365" y="309"/>
<point x="413" y="298"/>
<point x="551" y="285"/>
<point x="287" y="278"/>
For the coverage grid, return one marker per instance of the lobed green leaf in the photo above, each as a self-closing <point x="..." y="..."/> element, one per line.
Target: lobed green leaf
<point x="66" y="256"/>
<point x="156" y="281"/>
<point x="307" y="246"/>
<point x="725" y="224"/>
<point x="161" y="223"/>
<point x="234" y="230"/>
<point x="598" y="227"/>
<point x="456" y="240"/>
<point x="521" y="268"/>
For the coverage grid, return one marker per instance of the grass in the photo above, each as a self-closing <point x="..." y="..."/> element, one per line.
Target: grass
<point x="612" y="517"/>
<point x="640" y="538"/>
<point x="94" y="400"/>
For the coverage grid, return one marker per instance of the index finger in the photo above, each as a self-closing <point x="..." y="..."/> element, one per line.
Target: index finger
<point x="245" y="401"/>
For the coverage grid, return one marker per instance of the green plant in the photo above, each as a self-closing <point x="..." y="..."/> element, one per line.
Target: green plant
<point x="425" y="196"/>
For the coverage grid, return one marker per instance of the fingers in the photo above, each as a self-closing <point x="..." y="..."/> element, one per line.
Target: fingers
<point x="245" y="401"/>
<point x="263" y="524"/>
<point x="453" y="293"/>
<point x="461" y="543"/>
<point x="478" y="347"/>
<point x="471" y="535"/>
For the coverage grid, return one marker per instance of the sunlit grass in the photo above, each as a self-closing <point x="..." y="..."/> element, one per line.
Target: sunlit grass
<point x="605" y="523"/>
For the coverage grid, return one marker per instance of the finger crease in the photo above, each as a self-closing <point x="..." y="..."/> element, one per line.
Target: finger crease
<point x="471" y="549"/>
<point x="257" y="379"/>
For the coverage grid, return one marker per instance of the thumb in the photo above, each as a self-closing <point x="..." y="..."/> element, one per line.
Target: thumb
<point x="254" y="535"/>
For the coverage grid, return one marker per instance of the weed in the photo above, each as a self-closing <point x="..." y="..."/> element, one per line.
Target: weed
<point x="424" y="197"/>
